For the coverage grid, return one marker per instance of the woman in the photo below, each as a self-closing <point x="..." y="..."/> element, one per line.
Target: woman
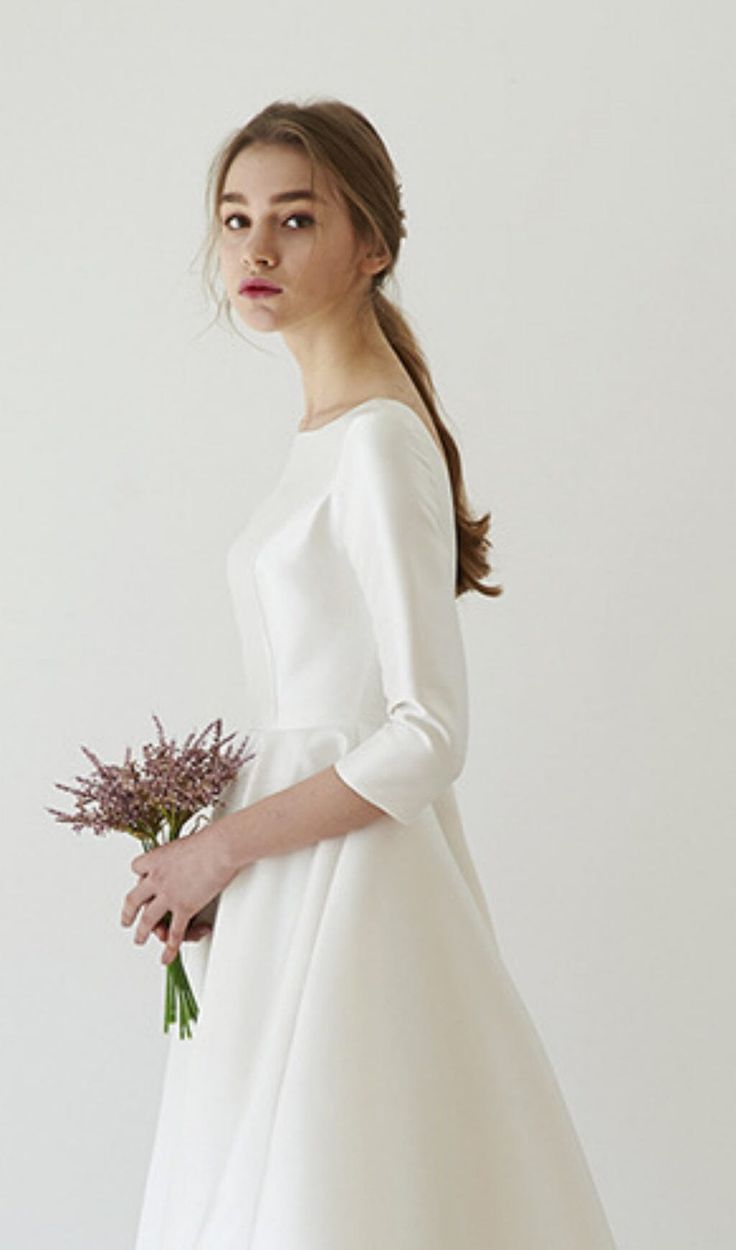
<point x="364" y="1074"/>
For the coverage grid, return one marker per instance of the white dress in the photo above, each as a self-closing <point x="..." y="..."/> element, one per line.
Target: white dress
<point x="363" y="1074"/>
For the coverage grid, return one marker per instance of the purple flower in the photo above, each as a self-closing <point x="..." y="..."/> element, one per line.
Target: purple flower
<point x="153" y="796"/>
<point x="161" y="791"/>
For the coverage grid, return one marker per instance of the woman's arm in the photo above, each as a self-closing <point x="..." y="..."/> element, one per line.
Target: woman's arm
<point x="321" y="806"/>
<point x="186" y="876"/>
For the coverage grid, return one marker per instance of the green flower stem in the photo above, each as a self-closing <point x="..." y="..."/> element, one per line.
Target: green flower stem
<point x="179" y="998"/>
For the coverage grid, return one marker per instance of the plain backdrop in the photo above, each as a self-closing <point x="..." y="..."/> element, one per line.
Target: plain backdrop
<point x="568" y="178"/>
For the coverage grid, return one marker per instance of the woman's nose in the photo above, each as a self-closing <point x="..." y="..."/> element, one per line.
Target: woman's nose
<point x="257" y="251"/>
<point x="254" y="260"/>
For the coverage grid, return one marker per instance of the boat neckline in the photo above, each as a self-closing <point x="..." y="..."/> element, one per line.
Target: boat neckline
<point x="376" y="399"/>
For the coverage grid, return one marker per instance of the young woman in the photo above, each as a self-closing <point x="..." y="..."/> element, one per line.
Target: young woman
<point x="363" y="1074"/>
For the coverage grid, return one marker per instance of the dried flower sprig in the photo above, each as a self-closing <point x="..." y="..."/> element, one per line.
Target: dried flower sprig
<point x="153" y="799"/>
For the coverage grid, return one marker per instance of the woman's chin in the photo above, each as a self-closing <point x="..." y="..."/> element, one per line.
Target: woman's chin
<point x="262" y="320"/>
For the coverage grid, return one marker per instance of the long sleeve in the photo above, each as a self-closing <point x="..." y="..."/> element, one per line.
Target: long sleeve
<point x="395" y="518"/>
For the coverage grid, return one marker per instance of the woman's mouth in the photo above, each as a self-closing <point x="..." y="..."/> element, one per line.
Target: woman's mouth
<point x="256" y="290"/>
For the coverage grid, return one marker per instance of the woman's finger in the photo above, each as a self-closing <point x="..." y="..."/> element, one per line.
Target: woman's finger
<point x="134" y="900"/>
<point x="177" y="931"/>
<point x="152" y="915"/>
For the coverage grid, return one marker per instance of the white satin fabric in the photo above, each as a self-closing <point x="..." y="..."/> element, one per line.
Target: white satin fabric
<point x="364" y="1074"/>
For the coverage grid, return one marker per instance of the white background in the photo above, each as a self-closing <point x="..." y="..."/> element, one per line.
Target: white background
<point x="568" y="177"/>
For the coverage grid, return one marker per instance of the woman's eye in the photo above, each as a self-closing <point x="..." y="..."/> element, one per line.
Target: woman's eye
<point x="293" y="217"/>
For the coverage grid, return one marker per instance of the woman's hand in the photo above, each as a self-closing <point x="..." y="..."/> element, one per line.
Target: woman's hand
<point x="196" y="930"/>
<point x="199" y="926"/>
<point x="180" y="877"/>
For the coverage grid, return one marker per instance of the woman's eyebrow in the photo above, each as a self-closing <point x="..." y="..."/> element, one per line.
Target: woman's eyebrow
<point x="283" y="197"/>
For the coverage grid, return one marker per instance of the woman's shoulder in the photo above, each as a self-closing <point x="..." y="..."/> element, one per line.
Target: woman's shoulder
<point x="387" y="422"/>
<point x="388" y="453"/>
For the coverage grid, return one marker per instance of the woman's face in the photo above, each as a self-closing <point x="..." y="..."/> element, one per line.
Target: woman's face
<point x="304" y="245"/>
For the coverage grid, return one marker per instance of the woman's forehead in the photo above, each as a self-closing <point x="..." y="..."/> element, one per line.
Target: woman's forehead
<point x="273" y="171"/>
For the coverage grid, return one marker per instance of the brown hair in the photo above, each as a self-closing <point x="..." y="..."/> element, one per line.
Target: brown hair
<point x="342" y="142"/>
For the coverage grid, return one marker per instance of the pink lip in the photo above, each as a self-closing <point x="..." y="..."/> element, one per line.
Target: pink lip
<point x="259" y="288"/>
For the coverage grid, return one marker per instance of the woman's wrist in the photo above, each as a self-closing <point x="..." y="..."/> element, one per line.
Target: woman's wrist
<point x="232" y="829"/>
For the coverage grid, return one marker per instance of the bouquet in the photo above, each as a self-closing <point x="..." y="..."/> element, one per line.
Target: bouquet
<point x="153" y="799"/>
